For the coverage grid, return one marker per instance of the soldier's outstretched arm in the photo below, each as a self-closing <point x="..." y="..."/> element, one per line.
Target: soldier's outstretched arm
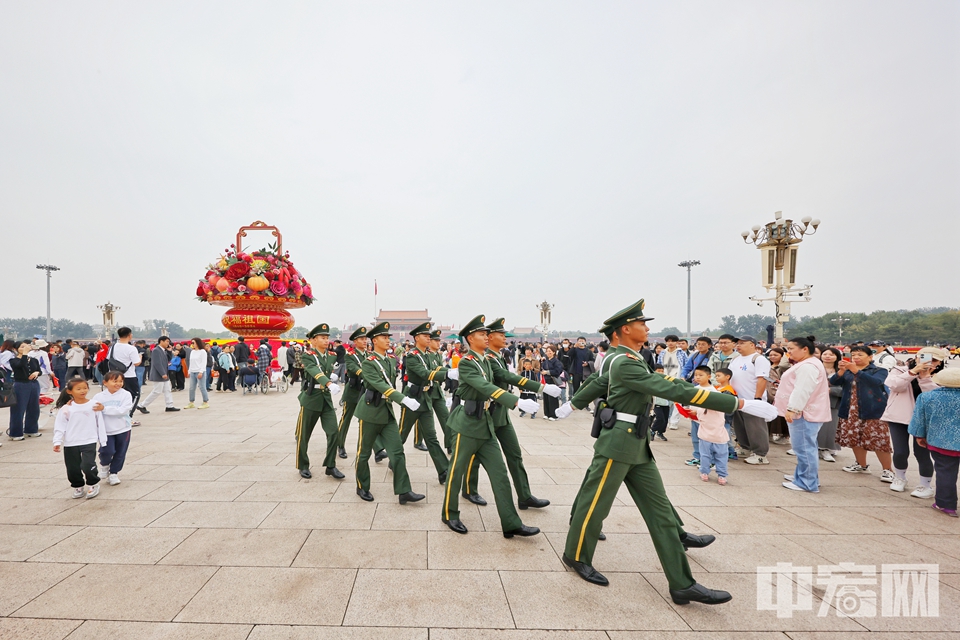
<point x="314" y="372"/>
<point x="635" y="376"/>
<point x="502" y="375"/>
<point x="470" y="375"/>
<point x="595" y="386"/>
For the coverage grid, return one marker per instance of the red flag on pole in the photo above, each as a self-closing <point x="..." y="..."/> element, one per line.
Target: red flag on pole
<point x="374" y="287"/>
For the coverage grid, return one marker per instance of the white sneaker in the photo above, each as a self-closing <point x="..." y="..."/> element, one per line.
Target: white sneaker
<point x="887" y="476"/>
<point x="923" y="492"/>
<point x="788" y="477"/>
<point x="114" y="479"/>
<point x="775" y="437"/>
<point x="898" y="485"/>
<point x="104" y="472"/>
<point x="755" y="459"/>
<point x="673" y="426"/>
<point x="791" y="452"/>
<point x="79" y="492"/>
<point x="856" y="468"/>
<point x="93" y="491"/>
<point x="827" y="456"/>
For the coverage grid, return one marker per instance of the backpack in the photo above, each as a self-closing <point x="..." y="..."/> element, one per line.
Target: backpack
<point x="111" y="364"/>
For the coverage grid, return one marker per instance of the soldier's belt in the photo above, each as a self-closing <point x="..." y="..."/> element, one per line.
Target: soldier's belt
<point x="627" y="417"/>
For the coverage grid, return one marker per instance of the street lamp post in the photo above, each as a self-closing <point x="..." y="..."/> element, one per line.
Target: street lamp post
<point x="840" y="320"/>
<point x="545" y="316"/>
<point x="49" y="268"/>
<point x="778" y="242"/>
<point x="108" y="319"/>
<point x="689" y="264"/>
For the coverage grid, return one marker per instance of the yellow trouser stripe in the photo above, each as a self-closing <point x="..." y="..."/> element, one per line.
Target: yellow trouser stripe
<point x="403" y="415"/>
<point x="296" y="459"/>
<point x="586" y="521"/>
<point x="453" y="466"/>
<point x="356" y="463"/>
<point x="342" y="416"/>
<point x="469" y="468"/>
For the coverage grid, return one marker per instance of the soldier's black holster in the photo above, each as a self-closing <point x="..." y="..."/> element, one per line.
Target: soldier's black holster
<point x="354" y="382"/>
<point x="373" y="397"/>
<point x="474" y="408"/>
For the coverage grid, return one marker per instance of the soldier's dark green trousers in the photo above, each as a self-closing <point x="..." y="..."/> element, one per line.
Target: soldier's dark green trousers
<point x="306" y="421"/>
<point x="389" y="435"/>
<point x="597" y="494"/>
<point x="487" y="452"/>
<point x="422" y="426"/>
<point x="507" y="436"/>
<point x="345" y="419"/>
<point x="439" y="405"/>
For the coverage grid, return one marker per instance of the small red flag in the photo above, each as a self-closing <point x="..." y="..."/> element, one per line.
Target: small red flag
<point x="374" y="287"/>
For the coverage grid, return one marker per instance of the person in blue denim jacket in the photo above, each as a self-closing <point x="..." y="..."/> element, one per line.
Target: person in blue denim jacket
<point x="861" y="406"/>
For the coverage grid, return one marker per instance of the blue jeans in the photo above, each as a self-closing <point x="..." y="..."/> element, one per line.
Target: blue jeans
<point x="27" y="410"/>
<point x="714" y="453"/>
<point x="803" y="438"/>
<point x="140" y="371"/>
<point x="115" y="452"/>
<point x="196" y="380"/>
<point x="209" y="379"/>
<point x="728" y="423"/>
<point x="695" y="437"/>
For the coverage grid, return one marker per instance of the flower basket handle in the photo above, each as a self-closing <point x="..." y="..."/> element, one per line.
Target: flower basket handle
<point x="259" y="226"/>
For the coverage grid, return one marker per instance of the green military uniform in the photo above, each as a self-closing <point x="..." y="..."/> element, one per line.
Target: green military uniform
<point x="377" y="419"/>
<point x="503" y="427"/>
<point x="474" y="435"/>
<point x="435" y="397"/>
<point x="353" y="387"/>
<point x="621" y="456"/>
<point x="421" y="379"/>
<point x="316" y="403"/>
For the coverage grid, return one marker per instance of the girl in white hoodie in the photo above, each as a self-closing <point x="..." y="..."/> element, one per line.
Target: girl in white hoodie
<point x="77" y="430"/>
<point x="115" y="404"/>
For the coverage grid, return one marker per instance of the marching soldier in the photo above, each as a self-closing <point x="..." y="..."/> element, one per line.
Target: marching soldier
<point x="377" y="420"/>
<point x="622" y="455"/>
<point x="422" y="378"/>
<point x="316" y="402"/>
<point x="353" y="371"/>
<point x="472" y="423"/>
<point x="503" y="427"/>
<point x="436" y="397"/>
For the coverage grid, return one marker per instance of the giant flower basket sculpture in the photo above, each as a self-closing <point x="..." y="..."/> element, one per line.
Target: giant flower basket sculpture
<point x="259" y="286"/>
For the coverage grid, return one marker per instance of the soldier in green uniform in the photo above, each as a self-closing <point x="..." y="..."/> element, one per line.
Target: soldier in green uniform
<point x="622" y="454"/>
<point x="436" y="397"/>
<point x="316" y="402"/>
<point x="377" y="419"/>
<point x="472" y="424"/>
<point x="421" y="378"/>
<point x="503" y="427"/>
<point x="353" y="391"/>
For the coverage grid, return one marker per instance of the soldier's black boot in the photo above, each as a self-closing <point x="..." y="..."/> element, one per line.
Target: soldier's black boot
<point x="691" y="540"/>
<point x="699" y="593"/>
<point x="586" y="572"/>
<point x="475" y="498"/>
<point x="533" y="501"/>
<point x="364" y="494"/>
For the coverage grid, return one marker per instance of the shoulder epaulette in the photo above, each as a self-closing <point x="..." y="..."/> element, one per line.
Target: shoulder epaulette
<point x="633" y="357"/>
<point x="372" y="358"/>
<point x="469" y="357"/>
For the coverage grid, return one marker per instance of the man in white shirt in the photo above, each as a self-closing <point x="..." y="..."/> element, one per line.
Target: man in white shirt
<point x="750" y="372"/>
<point x="125" y="353"/>
<point x="883" y="356"/>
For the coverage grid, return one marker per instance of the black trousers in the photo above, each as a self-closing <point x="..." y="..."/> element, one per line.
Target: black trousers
<point x="901" y="450"/>
<point x="947" y="468"/>
<point x="661" y="414"/>
<point x="133" y="386"/>
<point x="550" y="406"/>
<point x="81" y="461"/>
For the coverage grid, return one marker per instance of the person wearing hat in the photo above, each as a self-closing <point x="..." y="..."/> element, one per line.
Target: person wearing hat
<point x="883" y="355"/>
<point x="435" y="396"/>
<point x="353" y="371"/>
<point x="472" y="422"/>
<point x="316" y="402"/>
<point x="377" y="421"/>
<point x="622" y="455"/>
<point x="936" y="425"/>
<point x="422" y="377"/>
<point x="503" y="427"/>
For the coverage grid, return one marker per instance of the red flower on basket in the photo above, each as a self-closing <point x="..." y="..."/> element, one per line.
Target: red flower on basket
<point x="278" y="288"/>
<point x="237" y="270"/>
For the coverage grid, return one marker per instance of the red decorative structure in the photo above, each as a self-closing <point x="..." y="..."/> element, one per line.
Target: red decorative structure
<point x="260" y="286"/>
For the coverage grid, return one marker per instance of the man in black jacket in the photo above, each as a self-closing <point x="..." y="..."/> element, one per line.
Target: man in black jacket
<point x="241" y="351"/>
<point x="158" y="376"/>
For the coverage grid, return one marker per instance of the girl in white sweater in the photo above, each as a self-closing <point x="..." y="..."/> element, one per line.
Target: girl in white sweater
<point x="77" y="430"/>
<point x="197" y="370"/>
<point x="114" y="405"/>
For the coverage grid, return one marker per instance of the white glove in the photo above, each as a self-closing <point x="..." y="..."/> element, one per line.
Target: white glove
<point x="760" y="408"/>
<point x="551" y="390"/>
<point x="334" y="377"/>
<point x="334" y="389"/>
<point x="449" y="403"/>
<point x="529" y="406"/>
<point x="410" y="403"/>
<point x="453" y="374"/>
<point x="564" y="410"/>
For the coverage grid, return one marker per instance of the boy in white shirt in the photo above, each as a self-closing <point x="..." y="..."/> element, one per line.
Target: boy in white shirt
<point x="114" y="405"/>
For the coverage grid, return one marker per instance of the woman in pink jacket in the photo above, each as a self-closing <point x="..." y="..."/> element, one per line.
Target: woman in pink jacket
<point x="906" y="382"/>
<point x="803" y="399"/>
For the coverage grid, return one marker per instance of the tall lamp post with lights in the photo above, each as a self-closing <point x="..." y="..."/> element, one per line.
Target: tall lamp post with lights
<point x="688" y="264"/>
<point x="49" y="268"/>
<point x="545" y="317"/>
<point x="778" y="242"/>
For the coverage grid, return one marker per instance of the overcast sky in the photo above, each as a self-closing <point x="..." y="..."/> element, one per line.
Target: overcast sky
<point x="479" y="157"/>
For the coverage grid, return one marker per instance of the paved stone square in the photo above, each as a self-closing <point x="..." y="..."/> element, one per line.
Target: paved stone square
<point x="213" y="534"/>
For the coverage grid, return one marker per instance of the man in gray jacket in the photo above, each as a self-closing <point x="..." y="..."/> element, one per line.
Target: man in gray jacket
<point x="159" y="377"/>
